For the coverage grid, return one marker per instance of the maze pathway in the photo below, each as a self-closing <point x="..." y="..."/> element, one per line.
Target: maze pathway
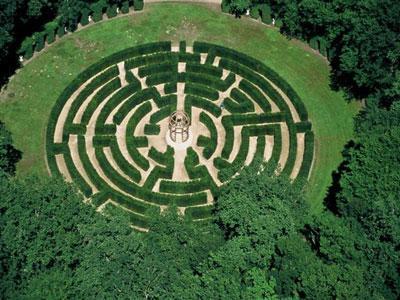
<point x="107" y="131"/>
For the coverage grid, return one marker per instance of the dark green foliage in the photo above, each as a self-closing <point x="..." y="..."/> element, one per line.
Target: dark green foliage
<point x="125" y="7"/>
<point x="265" y="13"/>
<point x="60" y="30"/>
<point x="201" y="90"/>
<point x="170" y="88"/>
<point x="51" y="28"/>
<point x="39" y="39"/>
<point x="84" y="20"/>
<point x="9" y="156"/>
<point x="111" y="11"/>
<point x="209" y="143"/>
<point x="138" y="4"/>
<point x="182" y="46"/>
<point x="27" y="48"/>
<point x="151" y="129"/>
<point x="314" y="43"/>
<point x="98" y="9"/>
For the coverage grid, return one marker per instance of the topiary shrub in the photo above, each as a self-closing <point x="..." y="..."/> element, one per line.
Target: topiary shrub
<point x="26" y="49"/>
<point x="61" y="30"/>
<point x="314" y="43"/>
<point x="265" y="13"/>
<point x="322" y="46"/>
<point x="112" y="11"/>
<point x="39" y="38"/>
<point x="125" y="7"/>
<point x="97" y="9"/>
<point x="138" y="4"/>
<point x="51" y="28"/>
<point x="85" y="17"/>
<point x="225" y="6"/>
<point x="255" y="11"/>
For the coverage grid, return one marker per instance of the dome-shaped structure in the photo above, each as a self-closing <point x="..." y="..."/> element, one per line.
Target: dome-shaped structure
<point x="179" y="123"/>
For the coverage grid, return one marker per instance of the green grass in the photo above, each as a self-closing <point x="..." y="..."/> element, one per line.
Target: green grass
<point x="26" y="103"/>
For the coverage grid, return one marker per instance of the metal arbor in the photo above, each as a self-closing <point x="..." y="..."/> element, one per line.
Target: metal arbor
<point x="179" y="123"/>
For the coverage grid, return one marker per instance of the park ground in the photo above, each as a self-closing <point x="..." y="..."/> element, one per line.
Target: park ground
<point x="26" y="102"/>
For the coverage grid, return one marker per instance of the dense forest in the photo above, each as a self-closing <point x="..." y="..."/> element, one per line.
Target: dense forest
<point x="263" y="242"/>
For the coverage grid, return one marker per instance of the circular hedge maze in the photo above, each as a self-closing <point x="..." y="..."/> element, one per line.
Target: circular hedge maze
<point x="108" y="131"/>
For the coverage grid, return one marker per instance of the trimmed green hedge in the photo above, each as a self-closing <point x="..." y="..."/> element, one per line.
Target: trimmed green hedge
<point x="151" y="129"/>
<point x="200" y="212"/>
<point x="202" y="91"/>
<point x="209" y="143"/>
<point x="204" y="69"/>
<point x="212" y="108"/>
<point x="307" y="157"/>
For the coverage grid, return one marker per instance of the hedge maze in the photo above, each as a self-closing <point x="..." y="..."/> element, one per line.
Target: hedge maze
<point x="107" y="130"/>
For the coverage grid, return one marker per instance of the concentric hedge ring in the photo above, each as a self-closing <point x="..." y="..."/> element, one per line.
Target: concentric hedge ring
<point x="107" y="130"/>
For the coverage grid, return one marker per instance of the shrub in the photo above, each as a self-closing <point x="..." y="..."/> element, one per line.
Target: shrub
<point x="307" y="157"/>
<point x="39" y="38"/>
<point x="225" y="6"/>
<point x="265" y="10"/>
<point x="84" y="19"/>
<point x="255" y="94"/>
<point x="202" y="91"/>
<point x="182" y="46"/>
<point x="111" y="11"/>
<point x="170" y="88"/>
<point x="292" y="149"/>
<point x="161" y="114"/>
<point x="200" y="212"/>
<point x="209" y="143"/>
<point x="323" y="46"/>
<point x="137" y="157"/>
<point x="160" y="78"/>
<point x="99" y="97"/>
<point x="303" y="126"/>
<point x="51" y="28"/>
<point x="123" y="164"/>
<point x="27" y="48"/>
<point x="255" y="11"/>
<point x="138" y="4"/>
<point x="125" y="7"/>
<point x="157" y="68"/>
<point x="61" y="30"/>
<point x="207" y="69"/>
<point x="105" y="129"/>
<point x="210" y="56"/>
<point x="97" y="8"/>
<point x="212" y="108"/>
<point x="137" y="116"/>
<point x="151" y="129"/>
<point x="83" y="186"/>
<point x="314" y="43"/>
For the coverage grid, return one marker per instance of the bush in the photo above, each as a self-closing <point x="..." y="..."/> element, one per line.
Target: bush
<point x="210" y="56"/>
<point x="225" y="6"/>
<point x="314" y="43"/>
<point x="99" y="97"/>
<point x="138" y="158"/>
<point x="39" y="38"/>
<point x="137" y="116"/>
<point x="138" y="4"/>
<point x="170" y="88"/>
<point x="161" y="114"/>
<point x="151" y="129"/>
<point x="51" y="28"/>
<point x="255" y="94"/>
<point x="323" y="46"/>
<point x="288" y="168"/>
<point x="307" y="157"/>
<point x="303" y="126"/>
<point x="61" y="30"/>
<point x="182" y="46"/>
<point x="200" y="212"/>
<point x="123" y="164"/>
<point x="158" y="68"/>
<point x="212" y="108"/>
<point x="209" y="143"/>
<point x="27" y="48"/>
<point x="111" y="11"/>
<point x="84" y="20"/>
<point x="202" y="91"/>
<point x="98" y="9"/>
<point x="125" y="7"/>
<point x="207" y="69"/>
<point x="255" y="11"/>
<point x="160" y="78"/>
<point x="265" y="13"/>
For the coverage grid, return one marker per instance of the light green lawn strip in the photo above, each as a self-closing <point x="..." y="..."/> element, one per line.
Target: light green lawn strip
<point x="26" y="104"/>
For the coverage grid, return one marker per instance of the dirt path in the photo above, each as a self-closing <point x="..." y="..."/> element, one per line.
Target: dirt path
<point x="285" y="145"/>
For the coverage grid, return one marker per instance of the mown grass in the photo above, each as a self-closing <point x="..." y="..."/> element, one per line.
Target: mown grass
<point x="26" y="103"/>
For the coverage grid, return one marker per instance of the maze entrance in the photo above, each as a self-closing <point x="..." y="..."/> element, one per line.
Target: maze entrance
<point x="108" y="131"/>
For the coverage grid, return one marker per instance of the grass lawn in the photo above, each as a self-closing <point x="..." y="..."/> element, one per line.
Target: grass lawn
<point x="26" y="103"/>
